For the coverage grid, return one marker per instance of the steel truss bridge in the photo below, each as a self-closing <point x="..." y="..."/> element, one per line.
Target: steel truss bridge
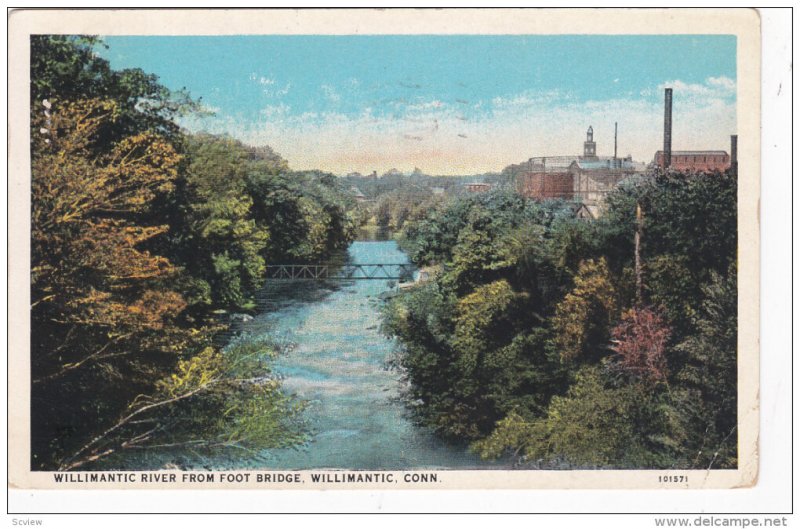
<point x="346" y="272"/>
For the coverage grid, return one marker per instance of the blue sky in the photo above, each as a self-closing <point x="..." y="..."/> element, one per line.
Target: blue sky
<point x="446" y="104"/>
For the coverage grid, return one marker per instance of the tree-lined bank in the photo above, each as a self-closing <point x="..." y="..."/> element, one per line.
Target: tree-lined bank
<point x="143" y="237"/>
<point x="532" y="340"/>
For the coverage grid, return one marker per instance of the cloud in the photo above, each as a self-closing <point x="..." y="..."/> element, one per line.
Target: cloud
<point x="712" y="88"/>
<point x="275" y="112"/>
<point x="434" y="135"/>
<point x="526" y="99"/>
<point x="424" y="106"/>
<point x="269" y="85"/>
<point x="279" y="92"/>
<point x="330" y="93"/>
<point x="725" y="83"/>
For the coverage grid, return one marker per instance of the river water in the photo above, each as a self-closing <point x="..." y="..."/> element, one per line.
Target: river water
<point x="339" y="364"/>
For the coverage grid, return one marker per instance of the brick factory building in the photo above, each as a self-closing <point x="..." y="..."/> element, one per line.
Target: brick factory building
<point x="589" y="178"/>
<point x="595" y="179"/>
<point x="699" y="161"/>
<point x="585" y="179"/>
<point x="694" y="161"/>
<point x="542" y="185"/>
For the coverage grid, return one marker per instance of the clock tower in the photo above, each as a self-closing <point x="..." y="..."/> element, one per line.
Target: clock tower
<point x="589" y="146"/>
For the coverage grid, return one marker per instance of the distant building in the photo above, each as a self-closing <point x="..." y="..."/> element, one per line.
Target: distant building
<point x="699" y="161"/>
<point x="695" y="160"/>
<point x="392" y="172"/>
<point x="542" y="184"/>
<point x="589" y="146"/>
<point x="360" y="197"/>
<point x="593" y="180"/>
<point x="478" y="187"/>
<point x="582" y="212"/>
<point x="586" y="179"/>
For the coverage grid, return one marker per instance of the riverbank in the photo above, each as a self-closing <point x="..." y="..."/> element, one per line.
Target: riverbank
<point x="337" y="361"/>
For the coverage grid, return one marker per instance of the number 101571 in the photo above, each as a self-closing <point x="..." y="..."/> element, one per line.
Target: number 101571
<point x="681" y="478"/>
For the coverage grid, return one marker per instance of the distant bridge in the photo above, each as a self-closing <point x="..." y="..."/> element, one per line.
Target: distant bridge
<point x="335" y="272"/>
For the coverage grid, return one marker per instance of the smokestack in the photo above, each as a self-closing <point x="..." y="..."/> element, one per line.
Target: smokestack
<point x="667" y="127"/>
<point x="615" y="140"/>
<point x="734" y="154"/>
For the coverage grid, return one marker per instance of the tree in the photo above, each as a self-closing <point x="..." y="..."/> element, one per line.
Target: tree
<point x="582" y="320"/>
<point x="114" y="364"/>
<point x="217" y="236"/>
<point x="709" y="376"/>
<point x="68" y="67"/>
<point x="640" y="340"/>
<point x="596" y="424"/>
<point x="670" y="284"/>
<point x="212" y="401"/>
<point x="137" y="231"/>
<point x="96" y="294"/>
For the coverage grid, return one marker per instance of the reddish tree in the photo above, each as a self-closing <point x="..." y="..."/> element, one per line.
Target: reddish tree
<point x="640" y="340"/>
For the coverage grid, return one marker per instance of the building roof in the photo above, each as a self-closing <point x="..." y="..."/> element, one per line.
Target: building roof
<point x="357" y="192"/>
<point x="619" y="164"/>
<point x="582" y="211"/>
<point x="696" y="153"/>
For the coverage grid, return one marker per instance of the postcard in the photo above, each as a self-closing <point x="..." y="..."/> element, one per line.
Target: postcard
<point x="384" y="249"/>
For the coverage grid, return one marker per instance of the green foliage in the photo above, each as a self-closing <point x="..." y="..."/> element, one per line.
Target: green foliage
<point x="533" y="303"/>
<point x="67" y="67"/>
<point x="709" y="375"/>
<point x="139" y="231"/>
<point x="670" y="284"/>
<point x="693" y="216"/>
<point x="308" y="214"/>
<point x="235" y="401"/>
<point x="583" y="318"/>
<point x="474" y="346"/>
<point x="409" y="203"/>
<point x="689" y="233"/>
<point x="525" y="374"/>
<point x="422" y="319"/>
<point x="219" y="240"/>
<point x="481" y="323"/>
<point x="593" y="425"/>
<point x="239" y="208"/>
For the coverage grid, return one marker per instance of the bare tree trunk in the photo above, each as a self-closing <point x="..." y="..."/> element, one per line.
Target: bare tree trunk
<point x="637" y="254"/>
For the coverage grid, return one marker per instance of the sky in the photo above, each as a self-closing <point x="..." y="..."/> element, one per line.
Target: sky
<point x="446" y="104"/>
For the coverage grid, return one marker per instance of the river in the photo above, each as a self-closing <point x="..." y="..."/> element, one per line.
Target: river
<point x="339" y="364"/>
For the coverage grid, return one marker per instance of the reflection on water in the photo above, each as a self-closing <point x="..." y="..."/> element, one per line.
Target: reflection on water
<point x="339" y="365"/>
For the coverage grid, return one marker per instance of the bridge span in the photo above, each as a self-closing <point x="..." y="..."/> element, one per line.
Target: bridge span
<point x="345" y="272"/>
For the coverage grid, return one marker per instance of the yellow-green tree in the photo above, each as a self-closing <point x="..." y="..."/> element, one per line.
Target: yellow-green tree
<point x="583" y="318"/>
<point x="114" y="363"/>
<point x="99" y="307"/>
